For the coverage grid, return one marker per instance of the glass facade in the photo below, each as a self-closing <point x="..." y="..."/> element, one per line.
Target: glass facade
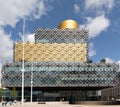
<point x="64" y="79"/>
<point x="70" y="77"/>
<point x="60" y="74"/>
<point x="61" y="36"/>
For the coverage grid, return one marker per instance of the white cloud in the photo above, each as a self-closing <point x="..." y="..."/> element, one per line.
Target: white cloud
<point x="29" y="38"/>
<point x="91" y="52"/>
<point x="6" y="46"/>
<point x="99" y="4"/>
<point x="108" y="60"/>
<point x="96" y="25"/>
<point x="76" y="8"/>
<point x="118" y="62"/>
<point x="11" y="11"/>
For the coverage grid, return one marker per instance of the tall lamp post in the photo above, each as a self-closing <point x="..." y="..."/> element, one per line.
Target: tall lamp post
<point x="1" y="73"/>
<point x="23" y="67"/>
<point x="32" y="76"/>
<point x="31" y="84"/>
<point x="23" y="70"/>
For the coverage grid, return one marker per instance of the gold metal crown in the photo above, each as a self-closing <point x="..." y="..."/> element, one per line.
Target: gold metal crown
<point x="70" y="24"/>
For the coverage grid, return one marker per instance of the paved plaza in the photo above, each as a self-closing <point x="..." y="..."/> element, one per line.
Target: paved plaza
<point x="56" y="104"/>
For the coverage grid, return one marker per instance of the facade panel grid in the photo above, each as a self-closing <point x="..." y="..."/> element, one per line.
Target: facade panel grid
<point x="60" y="74"/>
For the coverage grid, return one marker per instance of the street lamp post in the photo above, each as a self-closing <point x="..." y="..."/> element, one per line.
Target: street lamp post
<point x="23" y="70"/>
<point x="23" y="67"/>
<point x="31" y="83"/>
<point x="32" y="75"/>
<point x="1" y="74"/>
